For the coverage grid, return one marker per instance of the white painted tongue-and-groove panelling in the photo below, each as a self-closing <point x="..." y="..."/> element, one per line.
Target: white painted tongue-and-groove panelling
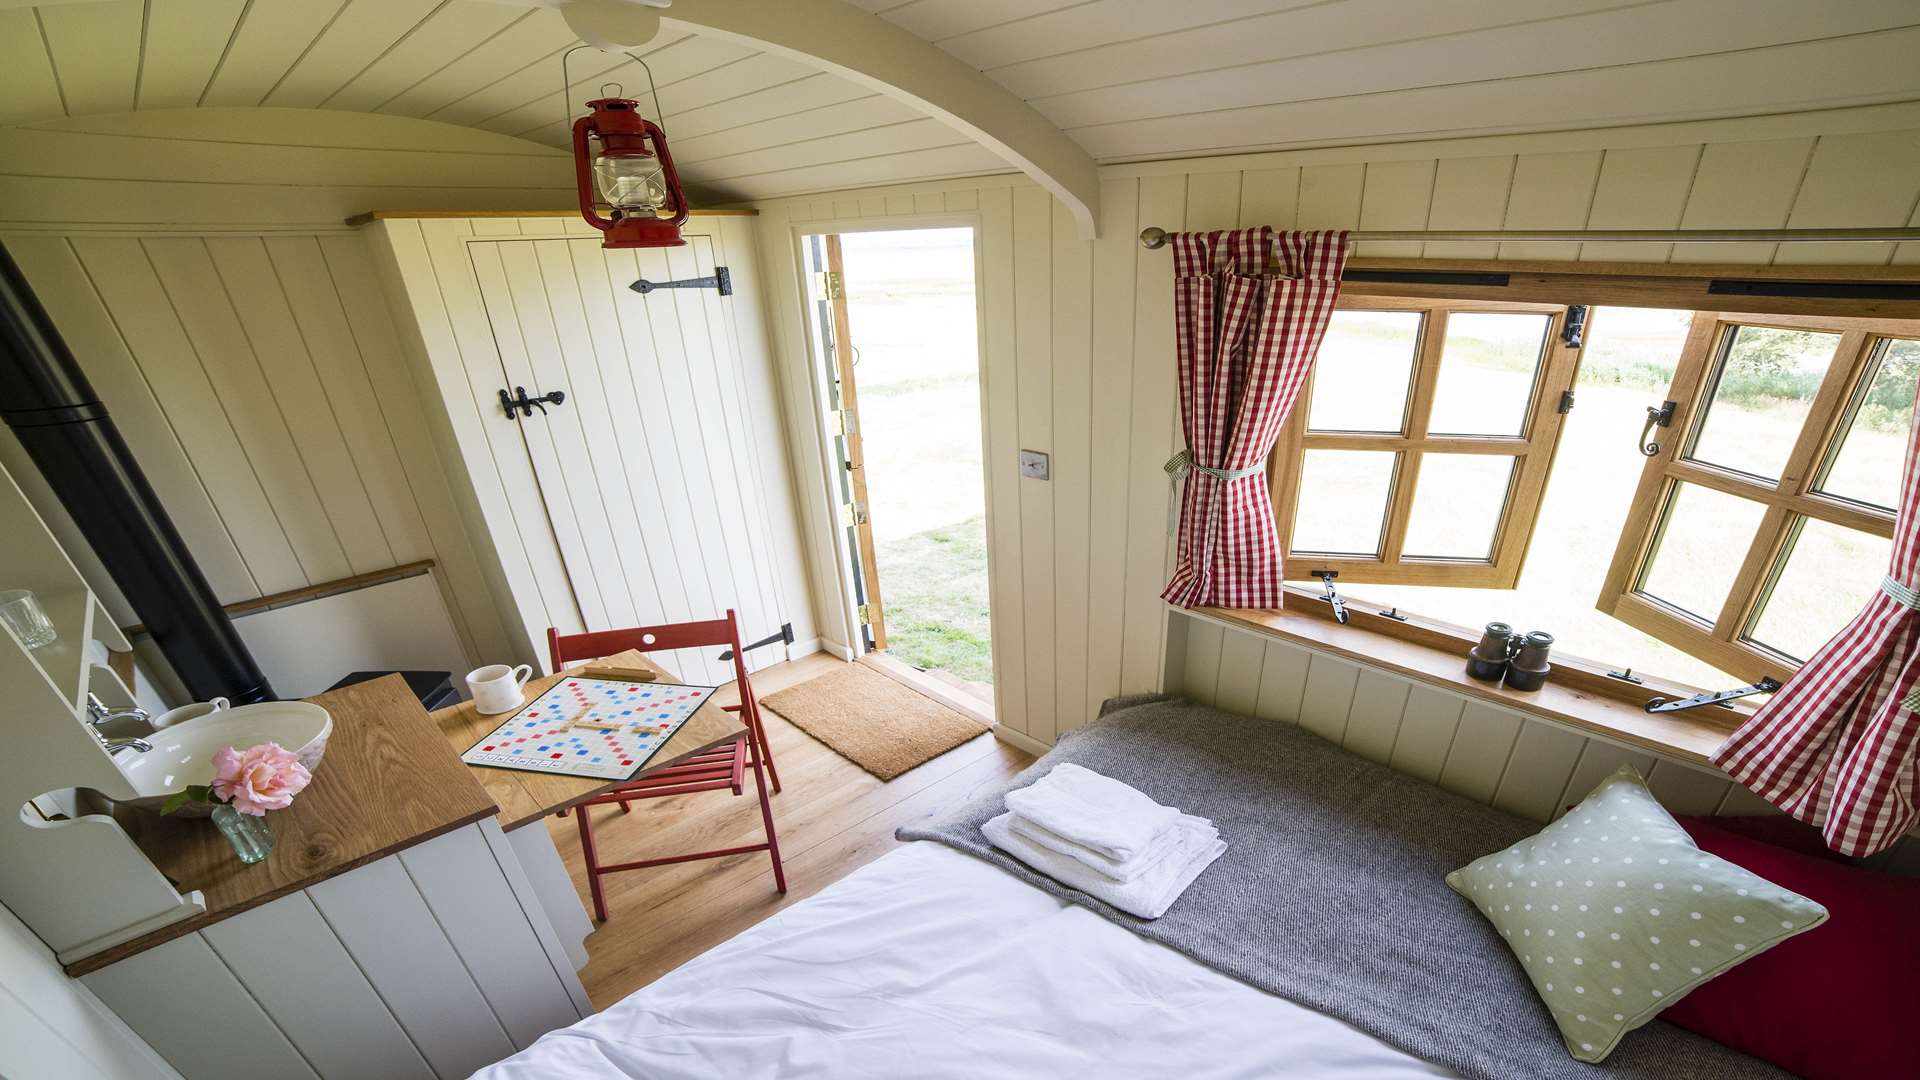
<point x="1127" y="80"/>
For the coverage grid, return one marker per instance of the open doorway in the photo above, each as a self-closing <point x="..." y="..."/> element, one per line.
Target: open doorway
<point x="894" y="315"/>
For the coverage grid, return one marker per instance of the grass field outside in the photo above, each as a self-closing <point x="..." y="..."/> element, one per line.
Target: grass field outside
<point x="912" y="320"/>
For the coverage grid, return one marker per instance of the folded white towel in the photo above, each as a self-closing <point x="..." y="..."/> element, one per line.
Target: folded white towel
<point x="1093" y="811"/>
<point x="1148" y="896"/>
<point x="1169" y="840"/>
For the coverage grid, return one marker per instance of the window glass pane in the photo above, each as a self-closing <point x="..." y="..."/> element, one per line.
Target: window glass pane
<point x="1760" y="398"/>
<point x="1829" y="575"/>
<point x="1486" y="373"/>
<point x="1343" y="501"/>
<point x="1697" y="549"/>
<point x="1456" y="505"/>
<point x="1362" y="372"/>
<point x="1866" y="465"/>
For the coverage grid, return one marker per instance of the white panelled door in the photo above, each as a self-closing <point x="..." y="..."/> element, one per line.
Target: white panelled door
<point x="648" y="470"/>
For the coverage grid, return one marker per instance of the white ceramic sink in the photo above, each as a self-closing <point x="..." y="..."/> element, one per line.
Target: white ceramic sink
<point x="183" y="753"/>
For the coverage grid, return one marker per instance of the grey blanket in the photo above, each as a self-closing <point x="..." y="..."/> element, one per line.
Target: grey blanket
<point x="1332" y="892"/>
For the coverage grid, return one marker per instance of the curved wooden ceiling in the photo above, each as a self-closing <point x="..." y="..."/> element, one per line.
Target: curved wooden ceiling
<point x="1127" y="79"/>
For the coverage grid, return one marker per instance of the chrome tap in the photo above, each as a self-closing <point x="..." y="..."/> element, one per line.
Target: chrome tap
<point x="99" y="714"/>
<point x="138" y="746"/>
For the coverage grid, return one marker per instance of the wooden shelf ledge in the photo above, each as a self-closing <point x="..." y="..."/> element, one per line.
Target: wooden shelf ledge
<point x="1690" y="736"/>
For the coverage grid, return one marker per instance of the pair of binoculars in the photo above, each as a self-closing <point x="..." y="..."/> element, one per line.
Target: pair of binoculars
<point x="1518" y="659"/>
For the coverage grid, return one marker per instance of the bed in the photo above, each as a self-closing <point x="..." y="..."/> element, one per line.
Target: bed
<point x="929" y="962"/>
<point x="1325" y="942"/>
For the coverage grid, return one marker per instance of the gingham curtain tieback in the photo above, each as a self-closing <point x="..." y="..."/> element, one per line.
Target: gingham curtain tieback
<point x="1179" y="465"/>
<point x="1905" y="595"/>
<point x="1909" y="598"/>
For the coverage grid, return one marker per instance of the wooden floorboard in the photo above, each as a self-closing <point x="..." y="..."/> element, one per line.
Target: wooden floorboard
<point x="832" y="816"/>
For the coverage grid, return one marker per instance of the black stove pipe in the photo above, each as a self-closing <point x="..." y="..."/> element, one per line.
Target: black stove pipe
<point x="48" y="402"/>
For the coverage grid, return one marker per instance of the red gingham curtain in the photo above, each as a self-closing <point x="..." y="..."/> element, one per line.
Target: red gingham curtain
<point x="1835" y="747"/>
<point x="1246" y="335"/>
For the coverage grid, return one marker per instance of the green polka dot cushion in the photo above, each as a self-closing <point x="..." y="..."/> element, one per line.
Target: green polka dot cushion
<point x="1615" y="914"/>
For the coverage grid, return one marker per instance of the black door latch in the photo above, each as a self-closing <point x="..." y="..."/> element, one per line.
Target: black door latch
<point x="519" y="400"/>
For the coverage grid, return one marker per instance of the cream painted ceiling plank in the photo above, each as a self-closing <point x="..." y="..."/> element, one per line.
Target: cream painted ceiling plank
<point x="684" y="59"/>
<point x="817" y="91"/>
<point x="1313" y="29"/>
<point x="878" y="54"/>
<point x="858" y="115"/>
<point x="500" y="73"/>
<point x="27" y="88"/>
<point x="1743" y="185"/>
<point x="442" y="39"/>
<point x="273" y="35"/>
<point x="937" y="20"/>
<point x="1867" y="69"/>
<point x="1857" y="180"/>
<point x="920" y="133"/>
<point x="364" y="30"/>
<point x="962" y="159"/>
<point x="96" y="53"/>
<point x="299" y="127"/>
<point x="747" y="75"/>
<point x="185" y="40"/>
<point x="1607" y="39"/>
<point x="1104" y="22"/>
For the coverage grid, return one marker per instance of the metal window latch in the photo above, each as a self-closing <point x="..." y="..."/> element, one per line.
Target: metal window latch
<point x="1661" y="417"/>
<point x="1573" y="331"/>
<point x="720" y="279"/>
<point x="1721" y="697"/>
<point x="1566" y="402"/>
<point x="519" y="400"/>
<point x="1333" y="597"/>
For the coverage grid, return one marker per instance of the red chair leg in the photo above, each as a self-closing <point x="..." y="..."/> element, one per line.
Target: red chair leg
<point x="760" y="736"/>
<point x="766" y="819"/>
<point x="625" y="807"/>
<point x="593" y="866"/>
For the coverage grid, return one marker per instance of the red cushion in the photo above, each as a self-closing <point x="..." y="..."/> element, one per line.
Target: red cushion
<point x="1834" y="1002"/>
<point x="1779" y="830"/>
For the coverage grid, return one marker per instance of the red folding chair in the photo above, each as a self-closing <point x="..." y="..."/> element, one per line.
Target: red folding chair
<point x="723" y="766"/>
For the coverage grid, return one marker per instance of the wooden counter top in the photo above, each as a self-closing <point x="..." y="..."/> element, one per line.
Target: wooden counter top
<point x="387" y="782"/>
<point x="530" y="796"/>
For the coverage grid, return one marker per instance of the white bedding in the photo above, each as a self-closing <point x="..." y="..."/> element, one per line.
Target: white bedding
<point x="930" y="963"/>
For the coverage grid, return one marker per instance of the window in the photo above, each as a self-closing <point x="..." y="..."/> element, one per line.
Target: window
<point x="1433" y="467"/>
<point x="1762" y="524"/>
<point x="1426" y="440"/>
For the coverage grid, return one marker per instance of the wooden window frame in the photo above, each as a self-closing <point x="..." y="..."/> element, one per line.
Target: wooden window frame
<point x="1786" y="501"/>
<point x="1532" y="452"/>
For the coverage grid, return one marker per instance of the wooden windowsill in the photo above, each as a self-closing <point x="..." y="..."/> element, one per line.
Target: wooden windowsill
<point x="1690" y="736"/>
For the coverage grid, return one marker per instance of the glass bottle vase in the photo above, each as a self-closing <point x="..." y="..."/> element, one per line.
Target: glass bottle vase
<point x="248" y="834"/>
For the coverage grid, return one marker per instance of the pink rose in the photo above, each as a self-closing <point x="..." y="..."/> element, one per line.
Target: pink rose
<point x="258" y="779"/>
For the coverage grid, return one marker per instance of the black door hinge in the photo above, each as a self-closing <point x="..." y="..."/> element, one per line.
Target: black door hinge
<point x="720" y="279"/>
<point x="1566" y="402"/>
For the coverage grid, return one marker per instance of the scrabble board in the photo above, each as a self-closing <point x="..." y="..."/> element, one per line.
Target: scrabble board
<point x="601" y="729"/>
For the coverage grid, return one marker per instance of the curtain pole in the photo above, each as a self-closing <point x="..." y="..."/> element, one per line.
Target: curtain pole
<point x="1156" y="237"/>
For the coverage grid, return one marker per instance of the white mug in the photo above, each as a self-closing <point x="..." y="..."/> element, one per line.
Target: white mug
<point x="188" y="712"/>
<point x="496" y="687"/>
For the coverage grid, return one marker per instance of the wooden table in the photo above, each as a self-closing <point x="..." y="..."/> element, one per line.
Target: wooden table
<point x="385" y="784"/>
<point x="529" y="796"/>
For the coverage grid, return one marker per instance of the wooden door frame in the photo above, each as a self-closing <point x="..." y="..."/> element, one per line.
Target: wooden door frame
<point x="845" y="359"/>
<point x="824" y="524"/>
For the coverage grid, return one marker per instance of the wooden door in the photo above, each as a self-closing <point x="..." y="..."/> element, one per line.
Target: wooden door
<point x="859" y="512"/>
<point x="647" y="472"/>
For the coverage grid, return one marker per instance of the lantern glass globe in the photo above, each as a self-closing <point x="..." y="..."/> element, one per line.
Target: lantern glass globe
<point x="631" y="183"/>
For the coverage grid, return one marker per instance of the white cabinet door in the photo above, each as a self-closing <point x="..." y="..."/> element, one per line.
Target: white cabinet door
<point x="648" y="470"/>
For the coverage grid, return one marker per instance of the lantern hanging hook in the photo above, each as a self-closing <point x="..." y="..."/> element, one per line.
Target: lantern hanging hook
<point x="566" y="84"/>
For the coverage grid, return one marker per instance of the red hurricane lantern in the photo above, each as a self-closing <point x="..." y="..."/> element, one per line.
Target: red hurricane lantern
<point x="631" y="174"/>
